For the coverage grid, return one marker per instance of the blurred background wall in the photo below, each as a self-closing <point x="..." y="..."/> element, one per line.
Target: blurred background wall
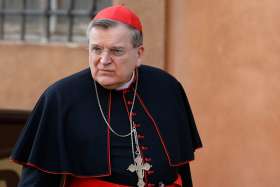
<point x="226" y="54"/>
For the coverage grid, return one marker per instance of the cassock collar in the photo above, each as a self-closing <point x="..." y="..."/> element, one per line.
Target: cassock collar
<point x="127" y="84"/>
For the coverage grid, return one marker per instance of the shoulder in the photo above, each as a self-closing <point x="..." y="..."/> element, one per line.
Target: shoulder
<point x="157" y="76"/>
<point x="154" y="71"/>
<point x="71" y="84"/>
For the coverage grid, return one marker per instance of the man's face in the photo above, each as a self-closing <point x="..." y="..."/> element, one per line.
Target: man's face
<point x="112" y="58"/>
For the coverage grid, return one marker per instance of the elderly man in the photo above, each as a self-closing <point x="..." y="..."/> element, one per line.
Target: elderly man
<point x="117" y="123"/>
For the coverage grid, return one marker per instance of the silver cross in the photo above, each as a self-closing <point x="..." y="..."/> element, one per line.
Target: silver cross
<point x="139" y="167"/>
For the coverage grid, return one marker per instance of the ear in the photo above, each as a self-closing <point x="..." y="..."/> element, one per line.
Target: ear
<point x="140" y="53"/>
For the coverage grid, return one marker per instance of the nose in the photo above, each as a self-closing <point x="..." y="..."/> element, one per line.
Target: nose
<point x="105" y="58"/>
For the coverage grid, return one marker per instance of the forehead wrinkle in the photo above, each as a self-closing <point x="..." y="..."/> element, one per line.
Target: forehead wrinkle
<point x="111" y="37"/>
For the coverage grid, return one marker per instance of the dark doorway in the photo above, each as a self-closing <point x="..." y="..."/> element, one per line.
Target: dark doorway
<point x="11" y="123"/>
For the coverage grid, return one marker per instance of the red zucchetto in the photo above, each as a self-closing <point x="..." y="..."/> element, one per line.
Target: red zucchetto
<point x="122" y="14"/>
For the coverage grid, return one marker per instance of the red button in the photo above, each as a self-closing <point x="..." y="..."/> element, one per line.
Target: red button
<point x="137" y="125"/>
<point x="144" y="148"/>
<point x="140" y="136"/>
<point x="148" y="159"/>
<point x="151" y="172"/>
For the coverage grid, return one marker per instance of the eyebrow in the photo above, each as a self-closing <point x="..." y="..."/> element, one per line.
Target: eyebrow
<point x="94" y="45"/>
<point x="117" y="47"/>
<point x="114" y="47"/>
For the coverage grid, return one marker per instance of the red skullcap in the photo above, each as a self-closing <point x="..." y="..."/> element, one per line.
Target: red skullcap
<point x="120" y="13"/>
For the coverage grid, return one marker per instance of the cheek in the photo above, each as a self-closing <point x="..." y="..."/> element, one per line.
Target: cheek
<point x="92" y="64"/>
<point x="93" y="61"/>
<point x="126" y="70"/>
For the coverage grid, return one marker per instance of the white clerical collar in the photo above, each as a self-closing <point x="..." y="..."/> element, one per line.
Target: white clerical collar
<point x="127" y="84"/>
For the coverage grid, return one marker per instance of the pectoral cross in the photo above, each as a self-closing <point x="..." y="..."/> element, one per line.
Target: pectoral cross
<point x="139" y="167"/>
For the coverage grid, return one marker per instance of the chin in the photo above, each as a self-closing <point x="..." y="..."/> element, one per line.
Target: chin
<point x="108" y="84"/>
<point x="109" y="87"/>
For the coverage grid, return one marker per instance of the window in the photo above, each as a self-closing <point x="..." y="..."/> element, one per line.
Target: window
<point x="47" y="20"/>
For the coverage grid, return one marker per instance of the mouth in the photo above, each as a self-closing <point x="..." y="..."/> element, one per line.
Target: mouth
<point x="102" y="71"/>
<point x="105" y="70"/>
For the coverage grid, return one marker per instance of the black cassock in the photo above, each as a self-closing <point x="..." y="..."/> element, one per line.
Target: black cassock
<point x="66" y="133"/>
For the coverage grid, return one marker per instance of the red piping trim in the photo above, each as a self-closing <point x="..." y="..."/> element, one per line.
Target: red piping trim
<point x="108" y="134"/>
<point x="158" y="131"/>
<point x="64" y="180"/>
<point x="145" y="172"/>
<point x="126" y="107"/>
<point x="155" y="125"/>
<point x="28" y="164"/>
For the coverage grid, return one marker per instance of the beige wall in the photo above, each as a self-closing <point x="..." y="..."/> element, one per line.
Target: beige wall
<point x="226" y="54"/>
<point x="26" y="70"/>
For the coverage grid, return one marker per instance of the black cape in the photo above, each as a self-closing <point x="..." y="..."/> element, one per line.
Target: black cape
<point x="66" y="133"/>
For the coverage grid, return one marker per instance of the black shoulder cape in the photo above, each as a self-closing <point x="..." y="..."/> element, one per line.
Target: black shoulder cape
<point x="66" y="134"/>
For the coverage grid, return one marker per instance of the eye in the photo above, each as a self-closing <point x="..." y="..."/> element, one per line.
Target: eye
<point x="97" y="50"/>
<point x="117" y="51"/>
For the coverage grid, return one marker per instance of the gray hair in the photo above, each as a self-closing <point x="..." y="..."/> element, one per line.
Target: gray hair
<point x="137" y="36"/>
